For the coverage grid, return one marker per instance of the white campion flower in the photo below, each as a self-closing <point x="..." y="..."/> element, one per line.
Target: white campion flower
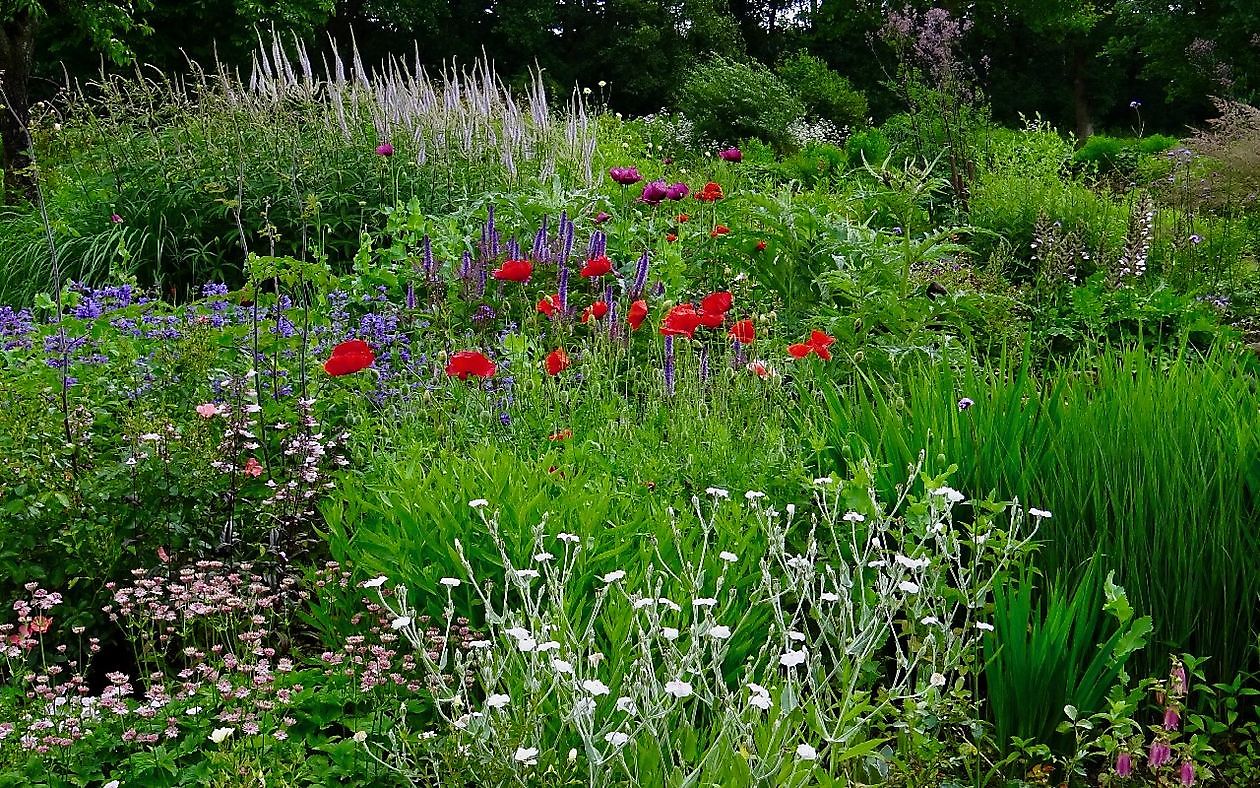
<point x="806" y="753"/>
<point x="360" y="736"/>
<point x="938" y="679"/>
<point x="526" y="755"/>
<point x="111" y="784"/>
<point x="854" y="517"/>
<point x="720" y="632"/>
<point x="791" y="658"/>
<point x="797" y="636"/>
<point x="616" y="738"/>
<point x="929" y="620"/>
<point x="595" y="687"/>
<point x="614" y="576"/>
<point x="760" y="697"/>
<point x="477" y="503"/>
<point x="800" y="562"/>
<point x="584" y="707"/>
<point x="669" y="633"/>
<point x="829" y="596"/>
<point x="984" y="627"/>
<point x="753" y="495"/>
<point x="479" y="644"/>
<point x="876" y="564"/>
<point x="639" y="604"/>
<point x="728" y="556"/>
<point x="519" y="633"/>
<point x="450" y="582"/>
<point x="561" y="666"/>
<point x="399" y="622"/>
<point x="706" y="601"/>
<point x="498" y="700"/>
<point x="678" y="688"/>
<point x="376" y="582"/>
<point x="547" y="645"/>
<point x="568" y="537"/>
<point x="908" y="586"/>
<point x="626" y="704"/>
<point x="669" y="603"/>
<point x="950" y="494"/>
<point x="1039" y="513"/>
<point x="543" y="557"/>
<point x="527" y="574"/>
<point x="218" y="735"/>
<point x="527" y="644"/>
<point x="823" y="480"/>
<point x="913" y="563"/>
<point x="717" y="492"/>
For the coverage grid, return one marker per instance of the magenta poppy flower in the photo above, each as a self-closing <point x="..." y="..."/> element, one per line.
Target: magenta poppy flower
<point x="385" y="149"/>
<point x="677" y="191"/>
<point x="731" y="154"/>
<point x="626" y="176"/>
<point x="654" y="192"/>
<point x="602" y="217"/>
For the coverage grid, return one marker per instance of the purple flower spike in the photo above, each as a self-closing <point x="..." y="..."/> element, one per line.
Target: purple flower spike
<point x="640" y="278"/>
<point x="385" y="149"/>
<point x="669" y="364"/>
<point x="654" y="192"/>
<point x="626" y="176"/>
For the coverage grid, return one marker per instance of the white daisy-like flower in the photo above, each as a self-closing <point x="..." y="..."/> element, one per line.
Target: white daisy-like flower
<point x="720" y="632"/>
<point x="526" y="755"/>
<point x="753" y="495"/>
<point x="477" y="503"/>
<point x="595" y="687"/>
<point x="399" y="622"/>
<point x="678" y="688"/>
<point x="949" y="494"/>
<point x="614" y="576"/>
<point x="806" y="753"/>
<point x="568" y="537"/>
<point x="717" y="492"/>
<point x="498" y="700"/>
<point x="376" y="582"/>
<point x="791" y="658"/>
<point x="728" y="556"/>
<point x="616" y="738"/>
<point x="450" y="582"/>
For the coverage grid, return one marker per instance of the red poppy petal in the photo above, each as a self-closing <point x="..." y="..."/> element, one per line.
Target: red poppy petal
<point x="799" y="350"/>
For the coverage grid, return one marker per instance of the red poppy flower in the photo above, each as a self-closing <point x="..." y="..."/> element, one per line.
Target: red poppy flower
<point x="743" y="332"/>
<point x="721" y="229"/>
<point x="638" y="311"/>
<point x="514" y="271"/>
<point x="718" y="303"/>
<point x="469" y="362"/>
<point x="711" y="192"/>
<point x="596" y="266"/>
<point x="711" y="319"/>
<point x="818" y="344"/>
<point x="595" y="311"/>
<point x="759" y="369"/>
<point x="799" y="350"/>
<point x="549" y="305"/>
<point x="761" y="246"/>
<point x="557" y="361"/>
<point x="682" y="320"/>
<point x="670" y="238"/>
<point x="349" y="357"/>
<point x="683" y="218"/>
<point x="562" y="435"/>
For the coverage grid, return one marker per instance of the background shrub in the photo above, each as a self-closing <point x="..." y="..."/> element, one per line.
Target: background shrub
<point x="826" y="94"/>
<point x="728" y="100"/>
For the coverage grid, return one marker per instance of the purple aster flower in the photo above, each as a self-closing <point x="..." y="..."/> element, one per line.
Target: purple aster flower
<point x="626" y="176"/>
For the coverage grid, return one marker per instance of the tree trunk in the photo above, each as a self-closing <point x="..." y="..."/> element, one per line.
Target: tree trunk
<point x="1080" y="95"/>
<point x="17" y="50"/>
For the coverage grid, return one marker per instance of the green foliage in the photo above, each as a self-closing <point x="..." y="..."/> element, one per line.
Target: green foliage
<point x="1126" y="156"/>
<point x="729" y="100"/>
<point x="825" y="94"/>
<point x="1066" y="647"/>
<point x="1179" y="436"/>
<point x="868" y="145"/>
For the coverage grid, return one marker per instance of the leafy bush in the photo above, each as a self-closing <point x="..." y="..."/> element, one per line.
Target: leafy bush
<point x="1125" y="156"/>
<point x="728" y="100"/>
<point x="870" y="145"/>
<point x="826" y="94"/>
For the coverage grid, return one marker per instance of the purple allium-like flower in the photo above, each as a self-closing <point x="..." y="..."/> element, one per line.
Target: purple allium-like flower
<point x="385" y="149"/>
<point x="965" y="403"/>
<point x="654" y="192"/>
<point x="1172" y="719"/>
<point x="1187" y="773"/>
<point x="678" y="191"/>
<point x="626" y="176"/>
<point x="1124" y="764"/>
<point x="601" y="217"/>
<point x="731" y="154"/>
<point x="1159" y="755"/>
